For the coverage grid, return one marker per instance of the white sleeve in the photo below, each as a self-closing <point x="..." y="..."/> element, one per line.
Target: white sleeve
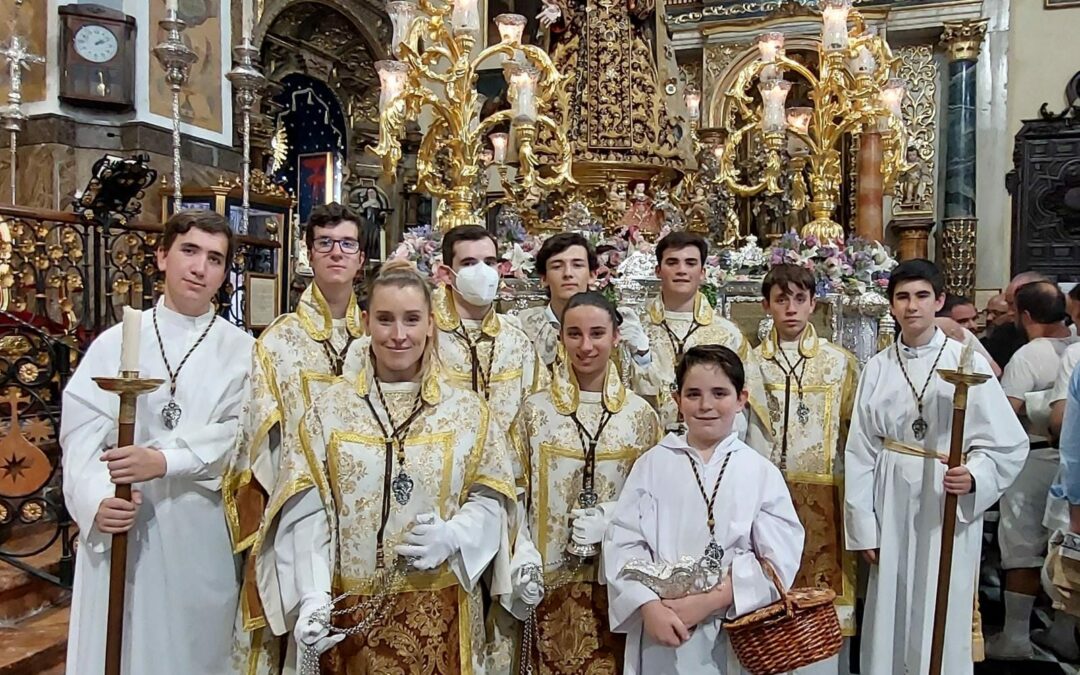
<point x="479" y="527"/>
<point x="1068" y="364"/>
<point x="1019" y="376"/>
<point x="635" y="514"/>
<point x="777" y="536"/>
<point x="860" y="460"/>
<point x="302" y="550"/>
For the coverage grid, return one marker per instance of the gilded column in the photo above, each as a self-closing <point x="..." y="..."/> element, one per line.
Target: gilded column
<point x="962" y="40"/>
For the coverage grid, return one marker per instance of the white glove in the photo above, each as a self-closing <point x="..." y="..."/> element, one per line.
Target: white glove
<point x="429" y="543"/>
<point x="632" y="331"/>
<point x="528" y="587"/>
<point x="312" y="624"/>
<point x="549" y="14"/>
<point x="589" y="525"/>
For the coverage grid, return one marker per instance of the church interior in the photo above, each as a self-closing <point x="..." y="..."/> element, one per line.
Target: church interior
<point x="842" y="134"/>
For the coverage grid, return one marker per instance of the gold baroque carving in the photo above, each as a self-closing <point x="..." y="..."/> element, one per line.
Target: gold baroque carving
<point x="958" y="244"/>
<point x="919" y="71"/>
<point x="742" y="8"/>
<point x="962" y="39"/>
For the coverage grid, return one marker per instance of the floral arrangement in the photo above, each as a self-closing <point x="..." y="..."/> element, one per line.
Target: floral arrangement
<point x="421" y="246"/>
<point x="855" y="266"/>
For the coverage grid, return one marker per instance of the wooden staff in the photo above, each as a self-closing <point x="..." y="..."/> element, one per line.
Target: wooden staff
<point x="129" y="386"/>
<point x="962" y="379"/>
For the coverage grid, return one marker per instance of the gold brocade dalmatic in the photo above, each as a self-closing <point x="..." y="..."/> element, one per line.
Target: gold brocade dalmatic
<point x="505" y="370"/>
<point x="816" y="403"/>
<point x="290" y="366"/>
<point x="573" y="631"/>
<point x="451" y="449"/>
<point x="671" y="334"/>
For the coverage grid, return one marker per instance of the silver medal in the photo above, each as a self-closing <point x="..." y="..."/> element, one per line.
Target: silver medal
<point x="803" y="412"/>
<point x="402" y="487"/>
<point x="170" y="414"/>
<point x="587" y="499"/>
<point x="919" y="427"/>
<point x="713" y="556"/>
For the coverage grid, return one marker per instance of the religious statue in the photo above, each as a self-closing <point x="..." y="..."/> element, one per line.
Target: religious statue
<point x="914" y="184"/>
<point x="373" y="211"/>
<point x="698" y="212"/>
<point x="622" y="80"/>
<point x="615" y="205"/>
<point x="641" y="214"/>
<point x="302" y="266"/>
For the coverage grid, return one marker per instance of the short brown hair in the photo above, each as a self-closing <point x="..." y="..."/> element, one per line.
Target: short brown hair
<point x="205" y="220"/>
<point x="787" y="275"/>
<point x="464" y="233"/>
<point x="714" y="355"/>
<point x="331" y="215"/>
<point x="680" y="239"/>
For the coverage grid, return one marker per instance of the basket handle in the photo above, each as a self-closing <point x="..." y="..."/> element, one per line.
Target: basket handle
<point x="770" y="572"/>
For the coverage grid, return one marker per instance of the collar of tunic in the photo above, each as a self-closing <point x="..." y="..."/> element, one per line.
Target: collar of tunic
<point x="430" y="379"/>
<point x="173" y="319"/>
<point x="809" y="344"/>
<point x="677" y="442"/>
<point x="931" y="347"/>
<point x="703" y="311"/>
<point x="447" y="318"/>
<point x="566" y="394"/>
<point x="316" y="319"/>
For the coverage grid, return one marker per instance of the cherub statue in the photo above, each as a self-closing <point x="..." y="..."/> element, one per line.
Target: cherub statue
<point x="698" y="212"/>
<point x="914" y="183"/>
<point x="614" y="207"/>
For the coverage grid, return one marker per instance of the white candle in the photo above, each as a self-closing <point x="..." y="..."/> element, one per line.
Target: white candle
<point x="129" y="347"/>
<point x="170" y="6"/>
<point x="248" y="23"/>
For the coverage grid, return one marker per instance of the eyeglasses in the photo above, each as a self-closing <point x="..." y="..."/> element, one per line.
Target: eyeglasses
<point x="326" y="244"/>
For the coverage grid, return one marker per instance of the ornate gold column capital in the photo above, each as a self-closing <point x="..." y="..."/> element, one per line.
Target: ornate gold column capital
<point x="962" y="39"/>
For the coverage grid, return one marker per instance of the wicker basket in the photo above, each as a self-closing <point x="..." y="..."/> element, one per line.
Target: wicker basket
<point x="799" y="629"/>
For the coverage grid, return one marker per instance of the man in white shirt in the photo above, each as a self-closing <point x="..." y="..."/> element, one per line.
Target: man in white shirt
<point x="1028" y="380"/>
<point x="182" y="578"/>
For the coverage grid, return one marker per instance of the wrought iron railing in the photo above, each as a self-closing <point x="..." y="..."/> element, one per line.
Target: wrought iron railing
<point x="67" y="280"/>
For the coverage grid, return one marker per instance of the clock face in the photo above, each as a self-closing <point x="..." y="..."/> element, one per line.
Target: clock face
<point x="96" y="44"/>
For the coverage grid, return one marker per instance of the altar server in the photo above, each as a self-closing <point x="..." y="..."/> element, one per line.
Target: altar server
<point x="810" y="388"/>
<point x="707" y="495"/>
<point x="578" y="439"/>
<point x="393" y="469"/>
<point x="182" y="578"/>
<point x="297" y="357"/>
<point x="896" y="480"/>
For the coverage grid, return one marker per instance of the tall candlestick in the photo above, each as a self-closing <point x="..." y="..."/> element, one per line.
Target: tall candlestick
<point x="129" y="347"/>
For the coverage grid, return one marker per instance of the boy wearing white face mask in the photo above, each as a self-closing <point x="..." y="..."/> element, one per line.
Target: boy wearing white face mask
<point x="484" y="351"/>
<point x="479" y="348"/>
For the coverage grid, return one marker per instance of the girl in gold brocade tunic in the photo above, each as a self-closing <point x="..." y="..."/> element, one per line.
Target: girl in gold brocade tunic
<point x="384" y="467"/>
<point x="577" y="441"/>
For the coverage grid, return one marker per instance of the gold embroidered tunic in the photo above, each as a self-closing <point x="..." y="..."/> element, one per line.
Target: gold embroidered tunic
<point x="670" y="335"/>
<point x="810" y="411"/>
<point x="542" y="327"/>
<point x="572" y="619"/>
<point x="294" y="360"/>
<point x="434" y="622"/>
<point x="493" y="357"/>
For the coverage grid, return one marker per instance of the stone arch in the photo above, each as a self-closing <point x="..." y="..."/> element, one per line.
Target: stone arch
<point x="349" y="8"/>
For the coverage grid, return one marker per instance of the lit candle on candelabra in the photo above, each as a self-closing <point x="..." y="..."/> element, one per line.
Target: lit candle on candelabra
<point x="693" y="104"/>
<point x="834" y="16"/>
<point x="465" y="18"/>
<point x="863" y="63"/>
<point x="891" y="100"/>
<point x="392" y="76"/>
<point x="798" y="121"/>
<point x="401" y="12"/>
<point x="498" y="146"/>
<point x="523" y="81"/>
<point x="770" y="45"/>
<point x="773" y="96"/>
<point x="130" y="336"/>
<point x="511" y="27"/>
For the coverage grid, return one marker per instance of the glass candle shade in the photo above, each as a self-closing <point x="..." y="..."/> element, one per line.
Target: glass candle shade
<point x="498" y="145"/>
<point x="401" y="12"/>
<point x="392" y="75"/>
<point x="834" y="32"/>
<point x="511" y="27"/>
<point x="773" y="96"/>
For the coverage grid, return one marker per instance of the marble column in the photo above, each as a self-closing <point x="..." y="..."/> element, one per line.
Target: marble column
<point x="962" y="40"/>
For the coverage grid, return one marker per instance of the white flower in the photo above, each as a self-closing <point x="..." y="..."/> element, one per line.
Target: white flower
<point x="520" y="260"/>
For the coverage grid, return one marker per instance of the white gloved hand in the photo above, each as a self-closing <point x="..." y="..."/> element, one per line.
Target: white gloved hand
<point x="589" y="525"/>
<point x="429" y="543"/>
<point x="632" y="331"/>
<point x="549" y="14"/>
<point x="312" y="624"/>
<point x="527" y="585"/>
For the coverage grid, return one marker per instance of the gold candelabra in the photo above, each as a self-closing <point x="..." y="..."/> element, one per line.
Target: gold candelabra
<point x="442" y="79"/>
<point x="853" y="93"/>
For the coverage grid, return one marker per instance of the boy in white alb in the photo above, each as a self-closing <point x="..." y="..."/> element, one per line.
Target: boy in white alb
<point x="896" y="480"/>
<point x="736" y="510"/>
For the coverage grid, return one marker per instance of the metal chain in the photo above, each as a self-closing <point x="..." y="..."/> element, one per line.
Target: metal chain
<point x="933" y="369"/>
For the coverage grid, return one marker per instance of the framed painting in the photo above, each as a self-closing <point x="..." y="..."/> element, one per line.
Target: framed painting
<point x="1058" y="4"/>
<point x="260" y="299"/>
<point x="315" y="177"/>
